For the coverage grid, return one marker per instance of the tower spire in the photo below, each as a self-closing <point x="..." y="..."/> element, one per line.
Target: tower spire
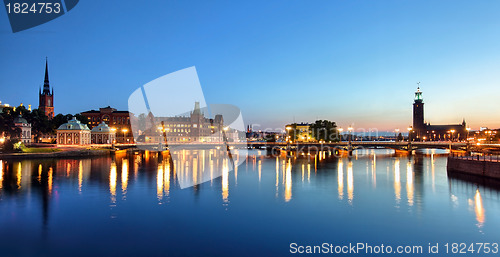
<point x="46" y="86"/>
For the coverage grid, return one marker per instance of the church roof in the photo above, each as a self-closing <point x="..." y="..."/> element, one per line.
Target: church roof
<point x="102" y="128"/>
<point x="73" y="124"/>
<point x="20" y="119"/>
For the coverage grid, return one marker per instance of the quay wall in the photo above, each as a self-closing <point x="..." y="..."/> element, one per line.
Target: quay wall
<point x="475" y="167"/>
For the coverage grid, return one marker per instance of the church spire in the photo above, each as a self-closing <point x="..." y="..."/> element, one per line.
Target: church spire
<point x="46" y="86"/>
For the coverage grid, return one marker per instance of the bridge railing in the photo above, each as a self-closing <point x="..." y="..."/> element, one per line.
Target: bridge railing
<point x="483" y="157"/>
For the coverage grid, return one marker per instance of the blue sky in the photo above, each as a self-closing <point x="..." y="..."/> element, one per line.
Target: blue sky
<point x="353" y="62"/>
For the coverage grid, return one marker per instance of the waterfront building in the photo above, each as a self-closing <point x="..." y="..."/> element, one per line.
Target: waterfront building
<point x="46" y="97"/>
<point x="422" y="131"/>
<point x="73" y="133"/>
<point x="301" y="132"/>
<point x="102" y="134"/>
<point x="25" y="127"/>
<point x="119" y="121"/>
<point x="185" y="129"/>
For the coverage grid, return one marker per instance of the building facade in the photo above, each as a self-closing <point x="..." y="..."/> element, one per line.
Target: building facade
<point x="25" y="127"/>
<point x="73" y="133"/>
<point x="422" y="131"/>
<point x="118" y="121"/>
<point x="184" y="129"/>
<point x="46" y="97"/>
<point x="102" y="134"/>
<point x="299" y="132"/>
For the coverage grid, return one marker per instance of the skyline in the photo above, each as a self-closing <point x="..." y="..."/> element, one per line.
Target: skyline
<point x="340" y="61"/>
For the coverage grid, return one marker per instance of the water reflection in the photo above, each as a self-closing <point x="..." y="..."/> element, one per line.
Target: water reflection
<point x="112" y="182"/>
<point x="291" y="179"/>
<point x="397" y="181"/>
<point x="288" y="181"/>
<point x="478" y="208"/>
<point x="340" y="179"/>
<point x="409" y="183"/>
<point x="350" y="182"/>
<point x="124" y="177"/>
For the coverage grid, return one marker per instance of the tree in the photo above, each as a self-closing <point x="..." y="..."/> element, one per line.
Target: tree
<point x="324" y="130"/>
<point x="292" y="132"/>
<point x="82" y="119"/>
<point x="400" y="138"/>
<point x="40" y="124"/>
<point x="7" y="126"/>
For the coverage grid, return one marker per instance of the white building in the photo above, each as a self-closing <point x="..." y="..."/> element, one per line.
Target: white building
<point x="25" y="127"/>
<point x="73" y="133"/>
<point x="102" y="134"/>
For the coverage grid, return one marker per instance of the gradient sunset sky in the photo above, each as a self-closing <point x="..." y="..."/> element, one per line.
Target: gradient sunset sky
<point x="353" y="62"/>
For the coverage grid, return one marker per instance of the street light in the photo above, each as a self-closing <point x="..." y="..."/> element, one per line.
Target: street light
<point x="452" y="131"/>
<point x="410" y="129"/>
<point x="124" y="131"/>
<point x="350" y="129"/>
<point x="396" y="135"/>
<point x="340" y="133"/>
<point x="288" y="128"/>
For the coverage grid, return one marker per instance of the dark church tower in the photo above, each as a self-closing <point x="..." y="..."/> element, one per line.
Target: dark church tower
<point x="46" y="103"/>
<point x="418" y="115"/>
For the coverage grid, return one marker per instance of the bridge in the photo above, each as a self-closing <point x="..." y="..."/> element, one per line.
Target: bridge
<point x="340" y="146"/>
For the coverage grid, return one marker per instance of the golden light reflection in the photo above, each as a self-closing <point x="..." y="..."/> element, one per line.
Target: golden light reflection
<point x="409" y="183"/>
<point x="283" y="170"/>
<point x="302" y="172"/>
<point x="80" y="176"/>
<point x="350" y="182"/>
<point x="68" y="169"/>
<point x="397" y="181"/>
<point x="19" y="175"/>
<point x="195" y="171"/>
<point x="167" y="178"/>
<point x="340" y="179"/>
<point x="124" y="176"/>
<point x="478" y="208"/>
<point x="288" y="181"/>
<point x="308" y="172"/>
<point x="159" y="182"/>
<point x="50" y="180"/>
<point x="260" y="169"/>
<point x="39" y="178"/>
<point x="277" y="175"/>
<point x="112" y="181"/>
<point x="225" y="181"/>
<point x="1" y="174"/>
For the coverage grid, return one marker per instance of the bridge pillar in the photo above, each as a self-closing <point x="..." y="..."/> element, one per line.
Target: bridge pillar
<point x="349" y="148"/>
<point x="410" y="147"/>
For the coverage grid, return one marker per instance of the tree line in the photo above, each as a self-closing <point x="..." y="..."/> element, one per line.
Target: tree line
<point x="40" y="124"/>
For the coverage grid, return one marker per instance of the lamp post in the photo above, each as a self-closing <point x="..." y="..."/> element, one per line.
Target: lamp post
<point x="410" y="148"/>
<point x="288" y="139"/>
<point x="349" y="148"/>
<point x="340" y="133"/>
<point x="124" y="133"/>
<point x="467" y="149"/>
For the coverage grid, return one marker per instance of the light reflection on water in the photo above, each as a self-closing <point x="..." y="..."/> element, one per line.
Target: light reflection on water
<point x="418" y="183"/>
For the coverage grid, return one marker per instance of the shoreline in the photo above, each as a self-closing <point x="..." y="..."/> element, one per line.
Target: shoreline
<point x="61" y="154"/>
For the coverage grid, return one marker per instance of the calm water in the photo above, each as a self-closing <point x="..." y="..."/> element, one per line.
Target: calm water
<point x="133" y="205"/>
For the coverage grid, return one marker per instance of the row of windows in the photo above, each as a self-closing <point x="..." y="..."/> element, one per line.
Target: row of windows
<point x="26" y="134"/>
<point x="106" y="119"/>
